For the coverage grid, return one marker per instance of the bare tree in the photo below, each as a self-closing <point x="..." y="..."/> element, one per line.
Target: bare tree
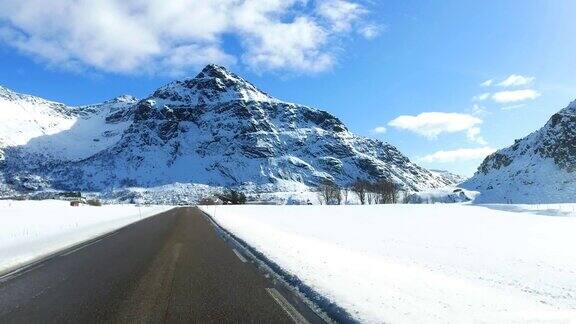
<point x="360" y="188"/>
<point x="345" y="191"/>
<point x="386" y="191"/>
<point x="329" y="193"/>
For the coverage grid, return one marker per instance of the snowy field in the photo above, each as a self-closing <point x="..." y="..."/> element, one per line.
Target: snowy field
<point x="443" y="263"/>
<point x="31" y="229"/>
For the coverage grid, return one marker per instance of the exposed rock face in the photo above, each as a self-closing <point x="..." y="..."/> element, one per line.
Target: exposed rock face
<point x="538" y="168"/>
<point x="215" y="129"/>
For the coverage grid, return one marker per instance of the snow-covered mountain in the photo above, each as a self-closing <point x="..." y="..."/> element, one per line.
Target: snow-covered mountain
<point x="538" y="168"/>
<point x="449" y="176"/>
<point x="215" y="129"/>
<point x="24" y="117"/>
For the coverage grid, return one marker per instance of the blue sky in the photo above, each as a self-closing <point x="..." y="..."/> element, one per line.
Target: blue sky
<point x="411" y="69"/>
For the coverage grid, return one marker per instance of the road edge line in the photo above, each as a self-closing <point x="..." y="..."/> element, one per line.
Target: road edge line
<point x="240" y="256"/>
<point x="287" y="307"/>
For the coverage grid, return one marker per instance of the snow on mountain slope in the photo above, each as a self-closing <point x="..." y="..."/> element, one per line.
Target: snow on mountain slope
<point x="215" y="129"/>
<point x="539" y="168"/>
<point x="90" y="133"/>
<point x="55" y="130"/>
<point x="23" y="117"/>
<point x="452" y="177"/>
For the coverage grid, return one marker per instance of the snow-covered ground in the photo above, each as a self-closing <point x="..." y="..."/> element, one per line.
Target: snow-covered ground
<point x="443" y="263"/>
<point x="31" y="229"/>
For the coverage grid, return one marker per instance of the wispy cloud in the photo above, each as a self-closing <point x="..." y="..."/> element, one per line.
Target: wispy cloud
<point x="515" y="95"/>
<point x="479" y="110"/>
<point x="156" y="35"/>
<point x="487" y="83"/>
<point x="473" y="134"/>
<point x="516" y="80"/>
<point x="340" y="14"/>
<point x="513" y="107"/>
<point x="465" y="154"/>
<point x="378" y="130"/>
<point x="371" y="31"/>
<point x="432" y="124"/>
<point x="481" y="97"/>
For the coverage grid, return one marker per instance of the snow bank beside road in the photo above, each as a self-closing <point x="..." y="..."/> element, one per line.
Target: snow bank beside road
<point x="31" y="229"/>
<point x="423" y="263"/>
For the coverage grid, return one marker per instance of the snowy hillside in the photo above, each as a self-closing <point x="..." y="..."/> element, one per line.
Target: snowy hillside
<point x="215" y="129"/>
<point x="539" y="168"/>
<point x="24" y="117"/>
<point x="55" y="130"/>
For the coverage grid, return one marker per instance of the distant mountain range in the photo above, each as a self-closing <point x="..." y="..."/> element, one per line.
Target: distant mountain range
<point x="539" y="168"/>
<point x="213" y="130"/>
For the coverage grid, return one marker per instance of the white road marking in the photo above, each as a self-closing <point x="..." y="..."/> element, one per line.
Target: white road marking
<point x="18" y="272"/>
<point x="87" y="245"/>
<point x="81" y="247"/>
<point x="286" y="306"/>
<point x="240" y="256"/>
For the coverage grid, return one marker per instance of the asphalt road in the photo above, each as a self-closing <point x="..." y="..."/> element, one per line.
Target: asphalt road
<point x="170" y="268"/>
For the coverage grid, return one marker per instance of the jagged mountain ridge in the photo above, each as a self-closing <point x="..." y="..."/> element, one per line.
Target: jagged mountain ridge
<point x="450" y="176"/>
<point x="216" y="129"/>
<point x="539" y="168"/>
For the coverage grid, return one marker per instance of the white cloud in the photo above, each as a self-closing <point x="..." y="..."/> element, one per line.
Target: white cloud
<point x="487" y="83"/>
<point x="473" y="134"/>
<point x="481" y="97"/>
<point x="479" y="110"/>
<point x="192" y="55"/>
<point x="432" y="124"/>
<point x="516" y="80"/>
<point x="339" y="13"/>
<point x="515" y="95"/>
<point x="130" y="36"/>
<point x="370" y="31"/>
<point x="379" y="130"/>
<point x="458" y="155"/>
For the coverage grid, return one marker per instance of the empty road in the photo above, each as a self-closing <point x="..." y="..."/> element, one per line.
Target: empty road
<point x="170" y="268"/>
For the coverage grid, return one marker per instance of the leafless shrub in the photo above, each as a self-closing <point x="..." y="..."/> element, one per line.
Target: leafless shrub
<point x="360" y="188"/>
<point x="329" y="193"/>
<point x="386" y="192"/>
<point x="94" y="202"/>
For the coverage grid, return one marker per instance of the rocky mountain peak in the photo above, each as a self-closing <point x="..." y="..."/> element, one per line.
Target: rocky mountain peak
<point x="4" y="89"/>
<point x="215" y="71"/>
<point x="9" y="94"/>
<point x="571" y="109"/>
<point x="128" y="99"/>
<point x="213" y="85"/>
